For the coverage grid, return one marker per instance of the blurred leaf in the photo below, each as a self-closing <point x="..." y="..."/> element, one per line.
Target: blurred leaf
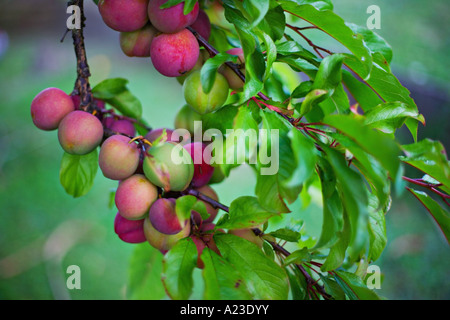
<point x="144" y="282"/>
<point x="441" y="216"/>
<point x="373" y="41"/>
<point x="430" y="157"/>
<point x="354" y="287"/>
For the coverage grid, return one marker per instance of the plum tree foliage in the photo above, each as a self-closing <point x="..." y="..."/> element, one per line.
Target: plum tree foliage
<point x="238" y="62"/>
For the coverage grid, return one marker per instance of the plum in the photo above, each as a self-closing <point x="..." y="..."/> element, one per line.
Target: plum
<point x="49" y="107"/>
<point x="200" y="101"/>
<point x="164" y="218"/>
<point x="163" y="242"/>
<point x="80" y="132"/>
<point x="173" y="19"/>
<point x="124" y="16"/>
<point x="137" y="43"/>
<point x="169" y="166"/>
<point x="174" y="54"/>
<point x="134" y="196"/>
<point x="203" y="170"/>
<point x="129" y="231"/>
<point x="118" y="158"/>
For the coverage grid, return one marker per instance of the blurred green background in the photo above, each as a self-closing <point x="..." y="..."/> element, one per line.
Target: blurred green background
<point x="43" y="230"/>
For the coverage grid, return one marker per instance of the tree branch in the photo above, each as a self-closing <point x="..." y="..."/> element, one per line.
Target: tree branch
<point x="82" y="86"/>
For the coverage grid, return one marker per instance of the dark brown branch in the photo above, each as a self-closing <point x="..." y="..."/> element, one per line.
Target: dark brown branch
<point x="82" y="86"/>
<point x="215" y="204"/>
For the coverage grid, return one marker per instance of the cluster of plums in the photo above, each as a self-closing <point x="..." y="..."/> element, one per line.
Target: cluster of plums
<point x="150" y="177"/>
<point x="147" y="176"/>
<point x="147" y="30"/>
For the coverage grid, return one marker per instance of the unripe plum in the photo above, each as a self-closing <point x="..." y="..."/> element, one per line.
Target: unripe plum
<point x="186" y="117"/>
<point x="170" y="20"/>
<point x="233" y="80"/>
<point x="217" y="177"/>
<point x="134" y="196"/>
<point x="169" y="166"/>
<point x="202" y="25"/>
<point x="124" y="16"/>
<point x="203" y="170"/>
<point x="164" y="242"/>
<point x="137" y="43"/>
<point x="80" y="132"/>
<point x="209" y="192"/>
<point x="118" y="158"/>
<point x="49" y="107"/>
<point x="164" y="218"/>
<point x="129" y="231"/>
<point x="205" y="102"/>
<point x="198" y="66"/>
<point x="249" y="235"/>
<point x="174" y="54"/>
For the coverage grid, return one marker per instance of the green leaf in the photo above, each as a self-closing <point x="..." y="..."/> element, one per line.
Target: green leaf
<point x="390" y="116"/>
<point x="385" y="85"/>
<point x="210" y="69"/>
<point x="333" y="25"/>
<point x="186" y="204"/>
<point x="245" y="212"/>
<point x="305" y="154"/>
<point x="354" y="287"/>
<point x="333" y="215"/>
<point x="373" y="41"/>
<point x="332" y="287"/>
<point x="354" y="198"/>
<point x="264" y="278"/>
<point x="311" y="100"/>
<point x="298" y="256"/>
<point x="378" y="237"/>
<point x="337" y="253"/>
<point x="109" y="88"/>
<point x="329" y="75"/>
<point x="369" y="140"/>
<point x="286" y="234"/>
<point x="77" y="173"/>
<point x="222" y="280"/>
<point x="116" y="93"/>
<point x="268" y="192"/>
<point x="178" y="265"/>
<point x="274" y="22"/>
<point x="318" y="4"/>
<point x="127" y="104"/>
<point x="188" y="5"/>
<point x="441" y="216"/>
<point x="144" y="281"/>
<point x="430" y="157"/>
